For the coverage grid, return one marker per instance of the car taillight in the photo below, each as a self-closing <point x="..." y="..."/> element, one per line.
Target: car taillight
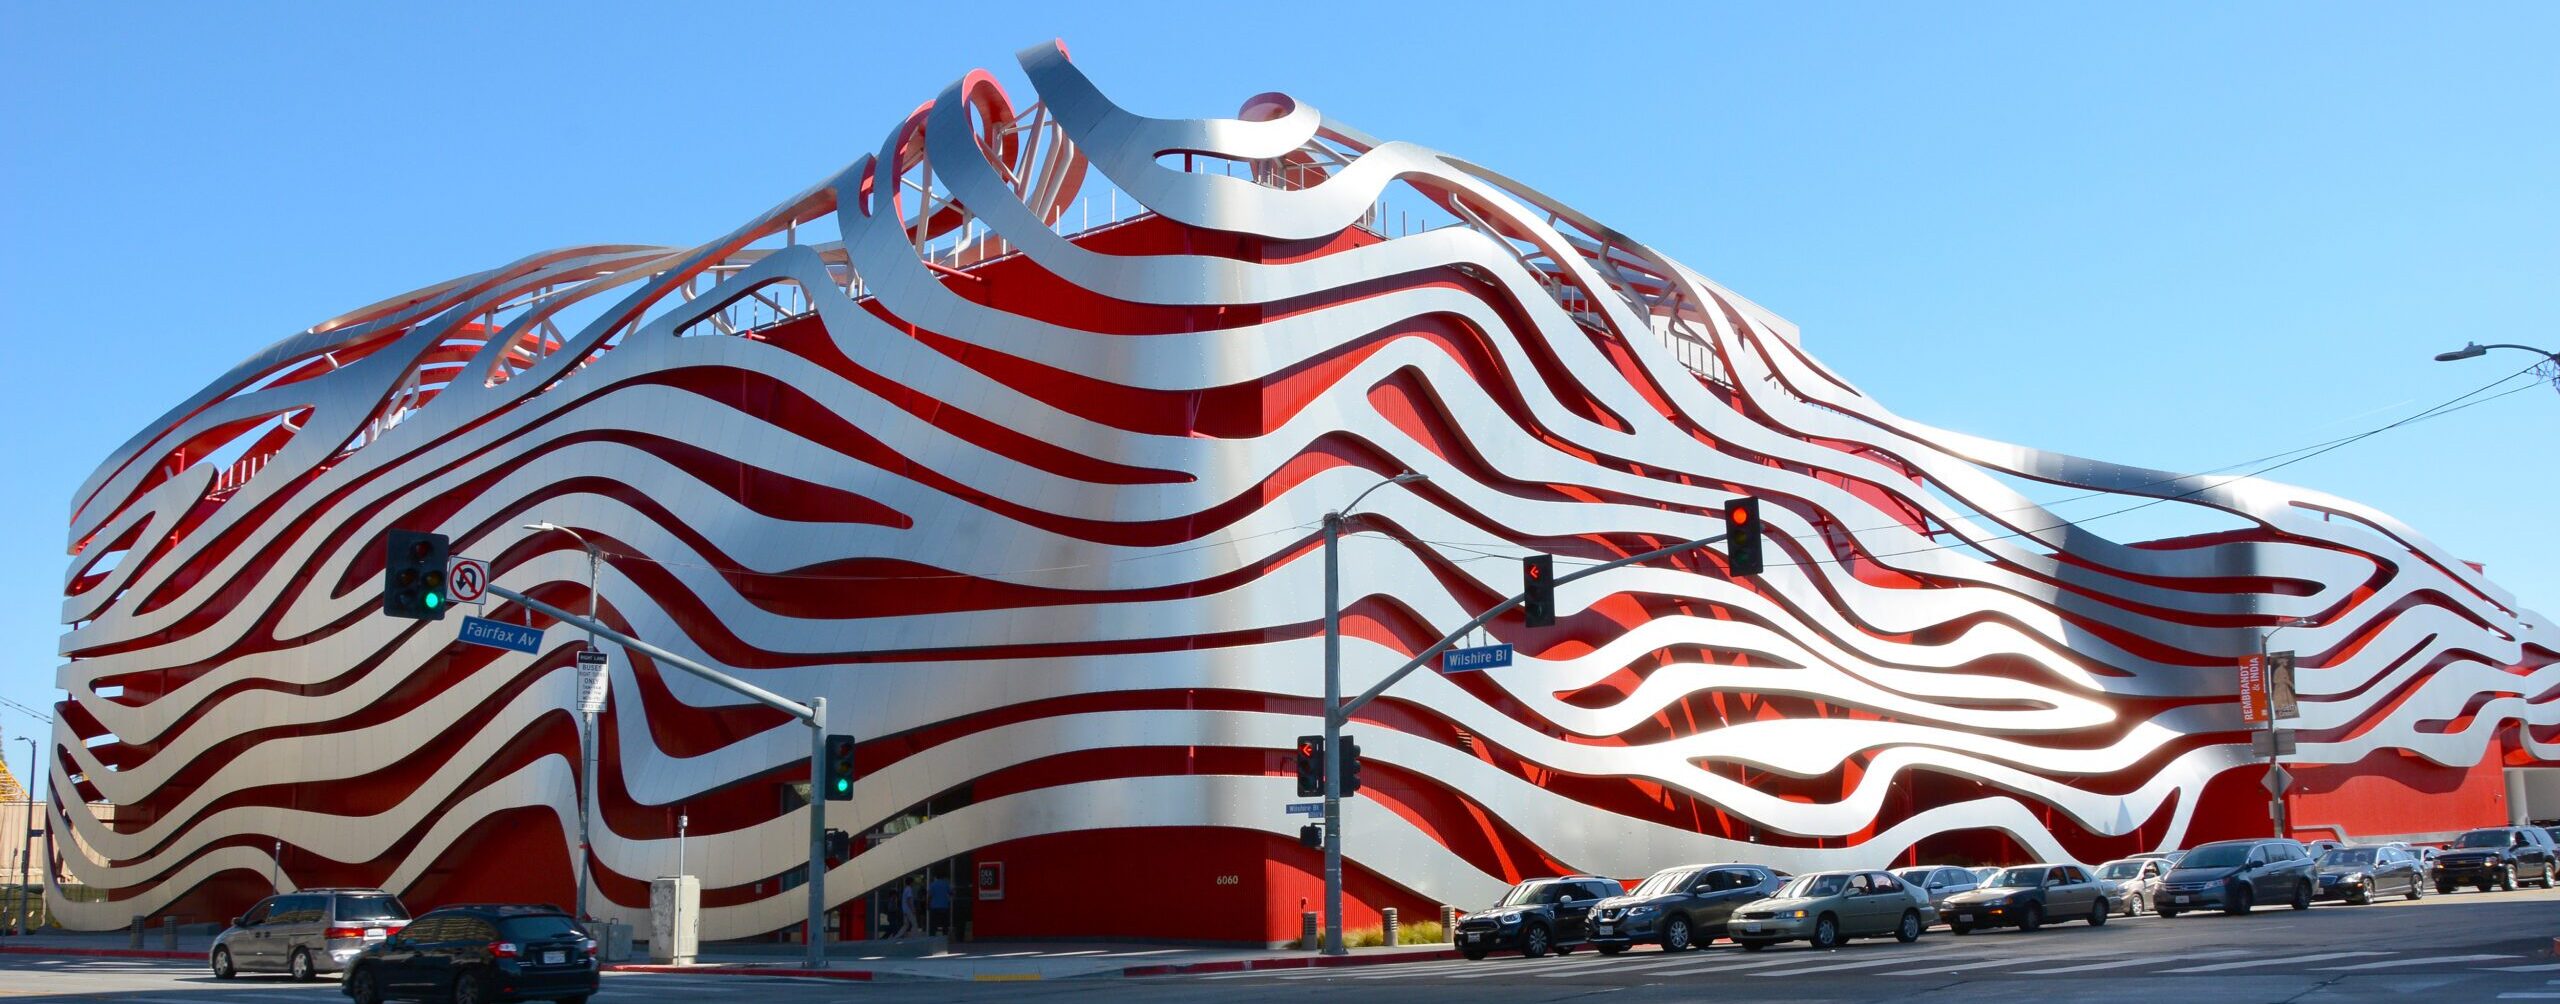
<point x="346" y="932"/>
<point x="591" y="949"/>
<point x="503" y="949"/>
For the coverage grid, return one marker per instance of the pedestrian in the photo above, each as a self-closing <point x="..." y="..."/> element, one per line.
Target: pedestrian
<point x="907" y="908"/>
<point x="938" y="906"/>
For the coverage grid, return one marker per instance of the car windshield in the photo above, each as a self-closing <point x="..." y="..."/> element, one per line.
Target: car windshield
<point x="370" y="908"/>
<point x="539" y="928"/>
<point x="1915" y="876"/>
<point x="2483" y="838"/>
<point x="2216" y="856"/>
<point x="1664" y="881"/>
<point x="2344" y="857"/>
<point x="1530" y="893"/>
<point x="1814" y="885"/>
<point x="2120" y="870"/>
<point x="2019" y="878"/>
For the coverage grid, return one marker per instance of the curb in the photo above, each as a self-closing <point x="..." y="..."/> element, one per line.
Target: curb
<point x="1305" y="962"/>
<point x="814" y="974"/>
<point x="102" y="953"/>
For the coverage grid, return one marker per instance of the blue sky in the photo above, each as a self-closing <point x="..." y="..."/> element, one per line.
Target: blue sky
<point x="2173" y="235"/>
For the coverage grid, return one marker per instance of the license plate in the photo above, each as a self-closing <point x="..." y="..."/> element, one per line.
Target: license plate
<point x="1475" y="936"/>
<point x="554" y="958"/>
<point x="1606" y="928"/>
<point x="375" y="934"/>
<point x="2186" y="899"/>
<point x="1753" y="928"/>
<point x="1966" y="917"/>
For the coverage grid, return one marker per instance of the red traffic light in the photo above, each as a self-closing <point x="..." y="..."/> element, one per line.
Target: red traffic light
<point x="1739" y="515"/>
<point x="1306" y="749"/>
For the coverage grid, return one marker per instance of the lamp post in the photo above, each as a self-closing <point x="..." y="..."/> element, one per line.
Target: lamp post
<point x="27" y="845"/>
<point x="2266" y="699"/>
<point x="1333" y="523"/>
<point x="586" y="718"/>
<point x="2476" y="349"/>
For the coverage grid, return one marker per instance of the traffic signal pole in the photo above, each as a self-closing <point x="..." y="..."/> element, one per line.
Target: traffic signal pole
<point x="1338" y="712"/>
<point x="813" y="714"/>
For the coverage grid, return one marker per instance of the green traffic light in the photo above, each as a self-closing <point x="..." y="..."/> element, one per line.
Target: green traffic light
<point x="434" y="601"/>
<point x="843" y="785"/>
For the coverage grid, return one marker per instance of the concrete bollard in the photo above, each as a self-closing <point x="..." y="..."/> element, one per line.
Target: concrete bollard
<point x="1449" y="924"/>
<point x="139" y="921"/>
<point x="169" y="933"/>
<point x="1387" y="919"/>
<point x="1309" y="937"/>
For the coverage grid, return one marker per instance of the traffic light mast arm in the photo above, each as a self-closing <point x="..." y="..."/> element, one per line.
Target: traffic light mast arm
<point x="750" y="691"/>
<point x="1342" y="715"/>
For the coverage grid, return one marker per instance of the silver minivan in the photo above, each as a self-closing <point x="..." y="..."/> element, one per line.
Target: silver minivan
<point x="306" y="933"/>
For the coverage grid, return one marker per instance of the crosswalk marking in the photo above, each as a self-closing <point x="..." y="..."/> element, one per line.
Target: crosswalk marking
<point x="1762" y="964"/>
<point x="1677" y="960"/>
<point x="2528" y="995"/>
<point x="2143" y="960"/>
<point x="2396" y="963"/>
<point x="1973" y="964"/>
<point x="1569" y="963"/>
<point x="1833" y="968"/>
<point x="2282" y="960"/>
<point x="2541" y="968"/>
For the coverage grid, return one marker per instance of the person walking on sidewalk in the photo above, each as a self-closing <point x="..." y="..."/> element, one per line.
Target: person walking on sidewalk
<point x="907" y="909"/>
<point x="938" y="906"/>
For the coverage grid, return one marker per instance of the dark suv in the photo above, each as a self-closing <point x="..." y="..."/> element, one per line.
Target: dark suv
<point x="478" y="954"/>
<point x="1535" y="916"/>
<point x="2497" y="856"/>
<point x="2235" y="875"/>
<point x="1680" y="908"/>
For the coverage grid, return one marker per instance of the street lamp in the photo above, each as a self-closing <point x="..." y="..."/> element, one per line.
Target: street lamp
<point x="2476" y="349"/>
<point x="586" y="718"/>
<point x="1333" y="522"/>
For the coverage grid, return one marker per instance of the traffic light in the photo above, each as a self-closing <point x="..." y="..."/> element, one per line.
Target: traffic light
<point x="1538" y="589"/>
<point x="1742" y="537"/>
<point x="839" y="847"/>
<point x="1350" y="767"/>
<point x="839" y="779"/>
<point x="1312" y="835"/>
<point x="413" y="574"/>
<point x="1310" y="766"/>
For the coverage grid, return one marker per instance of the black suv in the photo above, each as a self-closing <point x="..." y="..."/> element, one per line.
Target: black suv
<point x="2497" y="856"/>
<point x="1681" y="908"/>
<point x="2235" y="875"/>
<point x="1535" y="916"/>
<point x="478" y="954"/>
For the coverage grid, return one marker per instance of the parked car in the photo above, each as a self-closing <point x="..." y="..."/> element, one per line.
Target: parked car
<point x="1536" y="916"/>
<point x="2498" y="856"/>
<point x="478" y="954"/>
<point x="2359" y="874"/>
<point x="2133" y="883"/>
<point x="2237" y="875"/>
<point x="2427" y="855"/>
<point x="1984" y="873"/>
<point x="305" y="933"/>
<point x="1826" y="908"/>
<point x="1940" y="882"/>
<point x="2168" y="857"/>
<point x="2319" y="847"/>
<point x="2026" y="896"/>
<point x="1679" y="908"/>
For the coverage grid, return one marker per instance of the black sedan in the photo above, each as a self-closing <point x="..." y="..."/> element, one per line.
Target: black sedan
<point x="1536" y="916"/>
<point x="478" y="954"/>
<point x="2364" y="874"/>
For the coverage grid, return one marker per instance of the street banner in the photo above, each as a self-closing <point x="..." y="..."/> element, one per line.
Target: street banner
<point x="2280" y="700"/>
<point x="2253" y="689"/>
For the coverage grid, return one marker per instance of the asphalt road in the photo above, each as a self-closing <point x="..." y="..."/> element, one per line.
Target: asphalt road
<point x="2465" y="947"/>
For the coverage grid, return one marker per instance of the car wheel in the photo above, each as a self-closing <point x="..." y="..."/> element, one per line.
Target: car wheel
<point x="2098" y="914"/>
<point x="2168" y="912"/>
<point x="222" y="968"/>
<point x="1675" y="935"/>
<point x="2302" y="896"/>
<point x="1533" y="943"/>
<point x="2507" y="879"/>
<point x="579" y="999"/>
<point x="361" y="988"/>
<point x="2241" y="900"/>
<point x="1751" y="944"/>
<point x="1564" y="948"/>
<point x="1826" y="932"/>
<point x="1960" y="928"/>
<point x="2417" y="889"/>
<point x="2031" y="918"/>
<point x="1910" y="929"/>
<point x="2547" y="877"/>
<point x="1473" y="954"/>
<point x="470" y="988"/>
<point x="2133" y="905"/>
<point x="300" y="966"/>
<point x="2445" y="889"/>
<point x="1610" y="949"/>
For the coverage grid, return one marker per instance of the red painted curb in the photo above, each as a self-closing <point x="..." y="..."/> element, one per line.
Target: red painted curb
<point x="105" y="953"/>
<point x="1296" y="962"/>
<point x="821" y="974"/>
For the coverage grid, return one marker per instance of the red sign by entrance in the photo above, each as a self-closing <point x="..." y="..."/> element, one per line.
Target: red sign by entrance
<point x="990" y="880"/>
<point x="2253" y="689"/>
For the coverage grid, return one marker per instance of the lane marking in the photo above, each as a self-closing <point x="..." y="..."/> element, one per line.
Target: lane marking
<point x="2284" y="960"/>
<point x="1761" y="964"/>
<point x="2542" y="968"/>
<point x="1549" y="967"/>
<point x="2528" y="995"/>
<point x="2143" y="960"/>
<point x="1132" y="955"/>
<point x="2395" y="963"/>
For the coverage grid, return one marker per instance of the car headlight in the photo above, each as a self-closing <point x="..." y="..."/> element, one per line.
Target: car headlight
<point x="1642" y="911"/>
<point x="1795" y="914"/>
<point x="1509" y="920"/>
<point x="2359" y="878"/>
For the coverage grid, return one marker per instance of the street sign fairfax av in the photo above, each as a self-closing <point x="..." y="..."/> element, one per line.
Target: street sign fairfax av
<point x="494" y="634"/>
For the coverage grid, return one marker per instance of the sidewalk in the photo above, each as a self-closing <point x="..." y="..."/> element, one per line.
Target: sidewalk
<point x="989" y="961"/>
